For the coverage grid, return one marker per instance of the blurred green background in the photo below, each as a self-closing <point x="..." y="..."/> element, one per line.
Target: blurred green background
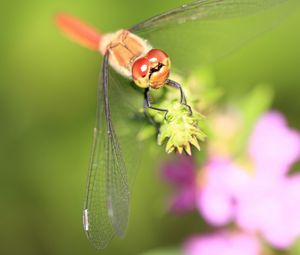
<point x="47" y="106"/>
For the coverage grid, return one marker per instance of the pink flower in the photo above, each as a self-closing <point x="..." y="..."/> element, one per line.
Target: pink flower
<point x="264" y="199"/>
<point x="222" y="243"/>
<point x="258" y="195"/>
<point x="181" y="174"/>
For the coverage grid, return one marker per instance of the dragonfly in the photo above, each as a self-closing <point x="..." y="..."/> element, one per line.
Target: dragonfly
<point x="132" y="66"/>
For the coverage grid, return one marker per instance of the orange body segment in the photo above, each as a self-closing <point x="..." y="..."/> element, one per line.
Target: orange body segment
<point x="78" y="31"/>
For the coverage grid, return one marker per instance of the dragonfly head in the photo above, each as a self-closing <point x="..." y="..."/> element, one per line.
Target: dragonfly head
<point x="151" y="70"/>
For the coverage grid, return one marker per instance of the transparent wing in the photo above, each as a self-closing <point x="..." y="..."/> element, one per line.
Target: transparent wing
<point x="113" y="160"/>
<point x="202" y="31"/>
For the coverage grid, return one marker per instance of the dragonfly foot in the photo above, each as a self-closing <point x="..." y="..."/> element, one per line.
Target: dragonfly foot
<point x="188" y="108"/>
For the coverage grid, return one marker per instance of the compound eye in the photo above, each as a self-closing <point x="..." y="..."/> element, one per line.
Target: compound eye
<point x="140" y="68"/>
<point x="156" y="55"/>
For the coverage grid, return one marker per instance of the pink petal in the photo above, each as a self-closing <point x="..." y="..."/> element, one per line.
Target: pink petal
<point x="222" y="243"/>
<point x="183" y="201"/>
<point x="274" y="146"/>
<point x="215" y="206"/>
<point x="223" y="183"/>
<point x="180" y="171"/>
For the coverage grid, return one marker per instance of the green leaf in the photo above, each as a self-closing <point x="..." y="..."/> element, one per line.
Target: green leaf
<point x="295" y="249"/>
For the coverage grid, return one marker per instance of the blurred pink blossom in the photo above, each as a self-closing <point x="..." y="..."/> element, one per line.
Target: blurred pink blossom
<point x="264" y="199"/>
<point x="218" y="195"/>
<point x="222" y="243"/>
<point x="258" y="195"/>
<point x="181" y="174"/>
<point x="272" y="209"/>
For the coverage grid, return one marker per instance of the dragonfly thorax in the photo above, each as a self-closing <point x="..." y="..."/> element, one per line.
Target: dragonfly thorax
<point x="152" y="70"/>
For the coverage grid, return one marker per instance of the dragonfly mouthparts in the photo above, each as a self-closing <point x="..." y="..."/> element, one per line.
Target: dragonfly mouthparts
<point x="156" y="68"/>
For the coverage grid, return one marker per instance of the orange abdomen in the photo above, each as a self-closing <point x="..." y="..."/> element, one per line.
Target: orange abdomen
<point x="78" y="31"/>
<point x="123" y="47"/>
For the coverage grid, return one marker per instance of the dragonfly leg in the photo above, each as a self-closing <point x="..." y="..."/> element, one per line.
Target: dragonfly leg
<point x="147" y="103"/>
<point x="150" y="119"/>
<point x="176" y="85"/>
